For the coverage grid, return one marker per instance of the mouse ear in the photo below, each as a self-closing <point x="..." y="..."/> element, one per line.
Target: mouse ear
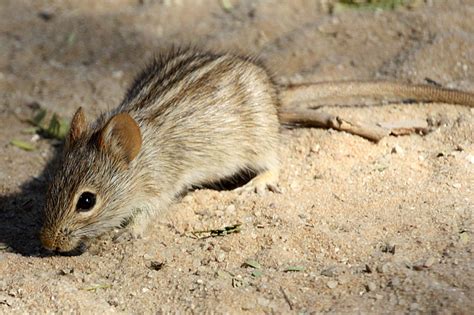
<point x="121" y="136"/>
<point x="78" y="126"/>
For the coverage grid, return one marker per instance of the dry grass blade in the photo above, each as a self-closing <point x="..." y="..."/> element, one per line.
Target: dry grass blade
<point x="217" y="232"/>
<point x="23" y="145"/>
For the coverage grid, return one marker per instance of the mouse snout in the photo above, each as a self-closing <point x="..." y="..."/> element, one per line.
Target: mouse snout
<point x="60" y="241"/>
<point x="48" y="239"/>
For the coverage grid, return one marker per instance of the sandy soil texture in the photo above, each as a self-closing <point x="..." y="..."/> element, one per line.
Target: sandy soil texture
<point x="359" y="227"/>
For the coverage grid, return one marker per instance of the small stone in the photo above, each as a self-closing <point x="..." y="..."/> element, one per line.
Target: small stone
<point x="247" y="305"/>
<point x="470" y="158"/>
<point x="343" y="280"/>
<point x="230" y="209"/>
<point x="315" y="148"/>
<point x="394" y="282"/>
<point x="35" y="138"/>
<point x="196" y="263"/>
<point x="330" y="272"/>
<point x="219" y="213"/>
<point x="383" y="268"/>
<point x="331" y="284"/>
<point x="456" y="185"/>
<point x="145" y="290"/>
<point x="226" y="248"/>
<point x="429" y="262"/>
<point x="147" y="257"/>
<point x="378" y="296"/>
<point x="398" y="150"/>
<point x="220" y="257"/>
<point x="371" y="286"/>
<point x="418" y="267"/>
<point x="200" y="281"/>
<point x="414" y="307"/>
<point x="263" y="301"/>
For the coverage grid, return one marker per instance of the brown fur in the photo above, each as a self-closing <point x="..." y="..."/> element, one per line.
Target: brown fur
<point x="200" y="117"/>
<point x="121" y="137"/>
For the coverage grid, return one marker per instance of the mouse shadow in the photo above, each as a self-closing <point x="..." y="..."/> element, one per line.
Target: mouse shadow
<point x="21" y="213"/>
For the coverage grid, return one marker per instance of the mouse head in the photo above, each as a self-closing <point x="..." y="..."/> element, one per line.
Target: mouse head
<point x="90" y="191"/>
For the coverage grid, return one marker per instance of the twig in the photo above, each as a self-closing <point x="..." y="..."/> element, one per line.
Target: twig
<point x="320" y="119"/>
<point x="287" y="299"/>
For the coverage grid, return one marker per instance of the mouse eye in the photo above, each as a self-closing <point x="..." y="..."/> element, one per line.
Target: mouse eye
<point x="86" y="201"/>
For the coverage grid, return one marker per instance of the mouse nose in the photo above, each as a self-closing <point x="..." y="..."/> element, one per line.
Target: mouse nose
<point x="47" y="239"/>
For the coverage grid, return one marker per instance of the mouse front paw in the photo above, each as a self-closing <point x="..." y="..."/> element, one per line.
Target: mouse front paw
<point x="134" y="230"/>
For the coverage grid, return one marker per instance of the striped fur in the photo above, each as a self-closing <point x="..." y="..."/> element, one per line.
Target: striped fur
<point x="202" y="117"/>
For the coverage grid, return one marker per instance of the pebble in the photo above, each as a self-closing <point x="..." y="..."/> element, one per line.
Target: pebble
<point x="371" y="286"/>
<point x="226" y="248"/>
<point x="230" y="209"/>
<point x="398" y="150"/>
<point x="263" y="301"/>
<point x="315" y="148"/>
<point x="220" y="257"/>
<point x="470" y="158"/>
<point x="148" y="257"/>
<point x="35" y="138"/>
<point x="414" y="307"/>
<point x="331" y="284"/>
<point x="383" y="268"/>
<point x="200" y="281"/>
<point x="429" y="262"/>
<point x="394" y="282"/>
<point x="330" y="272"/>
<point x="196" y="263"/>
<point x="343" y="280"/>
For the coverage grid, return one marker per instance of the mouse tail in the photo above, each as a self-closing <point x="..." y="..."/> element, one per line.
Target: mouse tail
<point x="325" y="93"/>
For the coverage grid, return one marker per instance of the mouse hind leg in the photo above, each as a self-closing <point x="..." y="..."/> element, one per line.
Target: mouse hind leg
<point x="268" y="168"/>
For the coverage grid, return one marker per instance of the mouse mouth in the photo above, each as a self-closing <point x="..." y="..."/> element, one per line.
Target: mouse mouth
<point x="80" y="249"/>
<point x="62" y="243"/>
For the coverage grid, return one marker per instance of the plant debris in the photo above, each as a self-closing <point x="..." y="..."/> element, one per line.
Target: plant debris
<point x="226" y="5"/>
<point x="371" y="4"/>
<point x="56" y="128"/>
<point x="218" y="232"/>
<point x="294" y="269"/>
<point x="23" y="145"/>
<point x="252" y="263"/>
<point x="257" y="273"/>
<point x="96" y="287"/>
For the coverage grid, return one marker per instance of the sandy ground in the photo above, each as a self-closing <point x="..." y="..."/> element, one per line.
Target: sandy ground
<point x="372" y="228"/>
